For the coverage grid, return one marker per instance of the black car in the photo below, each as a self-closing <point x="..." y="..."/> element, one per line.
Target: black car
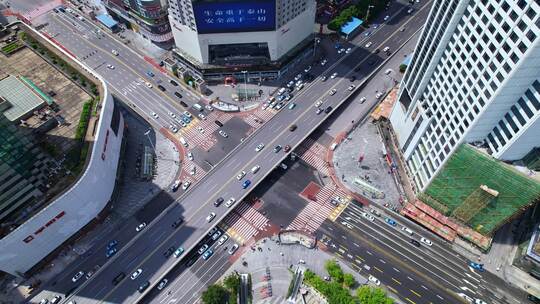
<point x="191" y="262"/>
<point x="118" y="278"/>
<point x="218" y="201"/>
<point x="353" y="78"/>
<point x="177" y="223"/>
<point x="377" y="51"/>
<point x="415" y="242"/>
<point x="143" y="286"/>
<point x="219" y="123"/>
<point x="162" y="88"/>
<point x="328" y="110"/>
<point x="183" y="104"/>
<point x="178" y="94"/>
<point x="174" y="83"/>
<point x="292" y="128"/>
<point x="371" y="62"/>
<point x="169" y="251"/>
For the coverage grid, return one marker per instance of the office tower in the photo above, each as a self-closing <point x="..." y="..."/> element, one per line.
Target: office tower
<point x="474" y="78"/>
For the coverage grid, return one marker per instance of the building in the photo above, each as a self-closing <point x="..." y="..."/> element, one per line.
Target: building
<point x="219" y="36"/>
<point x="147" y="17"/>
<point x="44" y="233"/>
<point x="474" y="78"/>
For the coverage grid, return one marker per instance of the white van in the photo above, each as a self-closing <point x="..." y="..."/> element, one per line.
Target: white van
<point x="255" y="169"/>
<point x="198" y="107"/>
<point x="183" y="142"/>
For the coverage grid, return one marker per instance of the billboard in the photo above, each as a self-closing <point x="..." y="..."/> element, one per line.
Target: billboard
<point x="234" y="16"/>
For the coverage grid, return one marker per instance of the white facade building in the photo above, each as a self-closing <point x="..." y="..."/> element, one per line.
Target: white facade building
<point x="474" y="78"/>
<point x="221" y="32"/>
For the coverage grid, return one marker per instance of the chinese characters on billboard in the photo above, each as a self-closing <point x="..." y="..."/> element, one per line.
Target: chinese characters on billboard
<point x="234" y="16"/>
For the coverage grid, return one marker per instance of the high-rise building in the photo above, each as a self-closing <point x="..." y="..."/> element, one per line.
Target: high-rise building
<point x="240" y="33"/>
<point x="147" y="17"/>
<point x="474" y="78"/>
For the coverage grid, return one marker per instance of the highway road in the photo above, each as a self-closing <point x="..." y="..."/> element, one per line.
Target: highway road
<point x="146" y="250"/>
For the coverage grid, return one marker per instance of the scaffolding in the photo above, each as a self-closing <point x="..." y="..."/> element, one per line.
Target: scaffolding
<point x="479" y="191"/>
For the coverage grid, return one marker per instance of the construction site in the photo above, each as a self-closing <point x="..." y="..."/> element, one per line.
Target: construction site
<point x="472" y="197"/>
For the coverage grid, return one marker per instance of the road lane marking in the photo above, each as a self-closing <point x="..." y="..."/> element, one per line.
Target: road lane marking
<point x="360" y="258"/>
<point x="395" y="269"/>
<point x="416" y="293"/>
<point x="392" y="289"/>
<point x="411" y="279"/>
<point x="382" y="261"/>
<point x="393" y="279"/>
<point x="424" y="287"/>
<point x="369" y="252"/>
<point x="378" y="269"/>
<point x="410" y="300"/>
<point x="438" y="296"/>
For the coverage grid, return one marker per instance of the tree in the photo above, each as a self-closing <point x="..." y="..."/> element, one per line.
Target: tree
<point x="370" y="295"/>
<point x="215" y="294"/>
<point x="348" y="280"/>
<point x="232" y="283"/>
<point x="402" y="68"/>
<point x="334" y="270"/>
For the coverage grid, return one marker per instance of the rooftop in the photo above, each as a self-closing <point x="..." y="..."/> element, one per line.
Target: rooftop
<point x="350" y="26"/>
<point x="480" y="191"/>
<point x="21" y="98"/>
<point x="107" y="20"/>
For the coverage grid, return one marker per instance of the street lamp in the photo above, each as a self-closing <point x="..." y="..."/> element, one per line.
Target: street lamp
<point x="245" y="84"/>
<point x="315" y="42"/>
<point x="367" y="13"/>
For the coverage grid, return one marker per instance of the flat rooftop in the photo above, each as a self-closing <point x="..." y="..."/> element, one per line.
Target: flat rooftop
<point x="20" y="97"/>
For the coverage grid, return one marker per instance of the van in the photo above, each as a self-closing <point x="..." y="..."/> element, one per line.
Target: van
<point x="183" y="142"/>
<point x="255" y="169"/>
<point x="333" y="146"/>
<point x="198" y="107"/>
<point x="281" y="91"/>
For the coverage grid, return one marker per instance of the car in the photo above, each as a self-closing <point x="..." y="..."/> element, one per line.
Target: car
<point x="265" y="106"/>
<point x="298" y="77"/>
<point x="222" y="240"/>
<point x="223" y="134"/>
<point x="56" y="300"/>
<point x="374" y="280"/>
<point x="348" y="50"/>
<point x="171" y="114"/>
<point x="533" y="299"/>
<point x="44" y="301"/>
<point x="386" y="49"/>
<point x="192" y="170"/>
<point x="332" y="92"/>
<point x="112" y="244"/>
<point x="465" y="297"/>
<point x="307" y="69"/>
<point x="290" y="84"/>
<point x="218" y="201"/>
<point x="150" y="74"/>
<point x="369" y="44"/>
<point x="186" y="185"/>
<point x="216" y="235"/>
<point x="173" y="128"/>
<point x="233" y="249"/>
<point x="231" y="201"/>
<point x="241" y="175"/>
<point x="110" y="66"/>
<point x="209" y="108"/>
<point x="259" y="147"/>
<point x="174" y="83"/>
<point x="200" y="129"/>
<point x="161" y="88"/>
<point x="202" y="249"/>
<point x="178" y="252"/>
<point x="407" y="230"/>
<point x="255" y="169"/>
<point x="177" y="223"/>
<point x="333" y="75"/>
<point x="287" y="148"/>
<point x="323" y="62"/>
<point x="292" y="105"/>
<point x="377" y="51"/>
<point x="190" y="156"/>
<point x="279" y="106"/>
<point x="390" y="221"/>
<point x="136" y="274"/>
<point x="292" y="128"/>
<point x="379" y="95"/>
<point x="319" y="103"/>
<point x="367" y="34"/>
<point x="89" y="274"/>
<point x="277" y="148"/>
<point x="187" y="114"/>
<point x="323" y="78"/>
<point x="201" y="116"/>
<point x="477" y="266"/>
<point x="375" y="212"/>
<point x="246" y="184"/>
<point x="149" y="85"/>
<point x="214" y="229"/>
<point x="479" y="301"/>
<point x="115" y="52"/>
<point x="154" y="114"/>
<point x="210" y="217"/>
<point x="140" y="227"/>
<point x="318" y="111"/>
<point x="386" y="18"/>
<point x="207" y="254"/>
<point x="328" y="109"/>
<point x="352" y="79"/>
<point x="341" y="50"/>
<point x="351" y="87"/>
<point x="409" y="11"/>
<point x="77" y="276"/>
<point x="426" y="241"/>
<point x="162" y="284"/>
<point x="111" y="252"/>
<point x="415" y="242"/>
<point x="169" y="252"/>
<point x="143" y="286"/>
<point x="283" y="166"/>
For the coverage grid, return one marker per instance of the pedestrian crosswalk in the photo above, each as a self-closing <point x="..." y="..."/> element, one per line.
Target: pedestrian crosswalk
<point x="200" y="133"/>
<point x="187" y="166"/>
<point x="314" y="154"/>
<point x="244" y="222"/>
<point x="40" y="10"/>
<point x="318" y="210"/>
<point x="258" y="117"/>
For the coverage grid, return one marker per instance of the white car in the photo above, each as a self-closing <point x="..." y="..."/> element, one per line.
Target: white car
<point x="465" y="297"/>
<point x="363" y="99"/>
<point x="479" y="301"/>
<point x="426" y="241"/>
<point x="190" y="156"/>
<point x="222" y="240"/>
<point x="202" y="249"/>
<point x="200" y="129"/>
<point x="216" y="235"/>
<point x="307" y="69"/>
<point x="136" y="274"/>
<point x="323" y="62"/>
<point x="334" y="75"/>
<point x="201" y="116"/>
<point x="77" y="276"/>
<point x="374" y="280"/>
<point x="210" y="217"/>
<point x="341" y="50"/>
<point x="186" y="113"/>
<point x="115" y="52"/>
<point x="241" y="175"/>
<point x="379" y="95"/>
<point x="333" y="92"/>
<point x="410" y="10"/>
<point x="175" y="186"/>
<point x="351" y="87"/>
<point x="223" y="134"/>
<point x="110" y="66"/>
<point x="193" y="170"/>
<point x="318" y="103"/>
<point x="386" y="18"/>
<point x="162" y="284"/>
<point x="209" y="108"/>
<point x="154" y="114"/>
<point x="369" y="217"/>
<point x="348" y="50"/>
<point x="230" y="202"/>
<point x="149" y="85"/>
<point x="186" y="185"/>
<point x="173" y="129"/>
<point x="233" y="249"/>
<point x="298" y="77"/>
<point x="140" y="227"/>
<point x="259" y="147"/>
<point x="369" y="44"/>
